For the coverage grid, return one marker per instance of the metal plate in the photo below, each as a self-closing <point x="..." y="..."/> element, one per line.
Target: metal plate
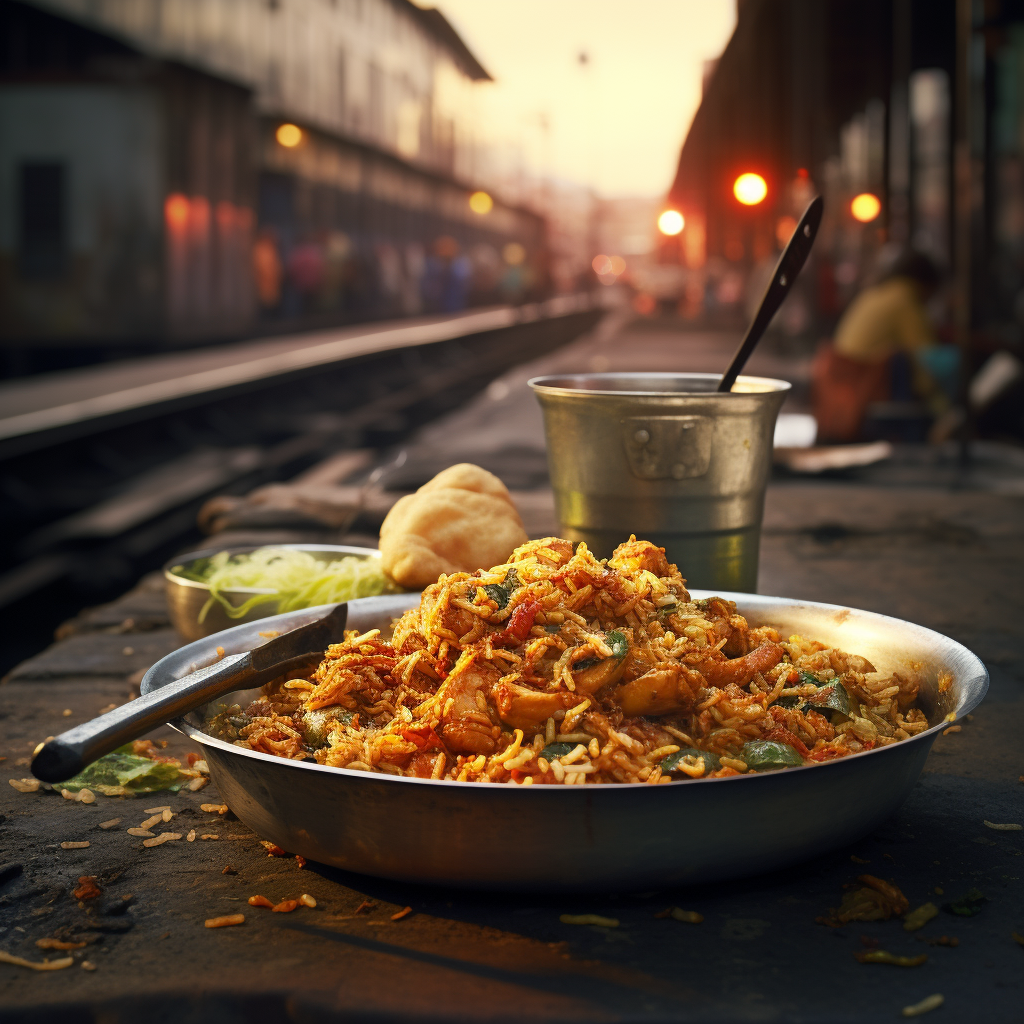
<point x="606" y="837"/>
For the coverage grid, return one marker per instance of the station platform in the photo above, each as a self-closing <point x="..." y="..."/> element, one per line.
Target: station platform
<point x="914" y="538"/>
<point x="33" y="410"/>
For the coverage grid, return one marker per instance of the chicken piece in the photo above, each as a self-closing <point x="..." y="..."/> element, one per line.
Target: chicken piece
<point x="453" y="618"/>
<point x="741" y="670"/>
<point x="595" y="673"/>
<point x="599" y="675"/>
<point x="553" y="550"/>
<point x="669" y="687"/>
<point x="635" y="554"/>
<point x="728" y="626"/>
<point x="422" y="765"/>
<point x="527" y="709"/>
<point x="466" y="727"/>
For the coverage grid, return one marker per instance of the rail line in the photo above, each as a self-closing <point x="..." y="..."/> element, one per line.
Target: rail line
<point x="106" y="487"/>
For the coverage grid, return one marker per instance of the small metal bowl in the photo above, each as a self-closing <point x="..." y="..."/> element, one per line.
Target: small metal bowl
<point x="185" y="597"/>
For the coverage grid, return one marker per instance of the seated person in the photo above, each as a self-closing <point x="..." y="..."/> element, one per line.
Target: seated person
<point x="886" y="321"/>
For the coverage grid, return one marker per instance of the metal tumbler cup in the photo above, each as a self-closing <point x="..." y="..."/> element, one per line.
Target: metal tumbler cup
<point x="666" y="457"/>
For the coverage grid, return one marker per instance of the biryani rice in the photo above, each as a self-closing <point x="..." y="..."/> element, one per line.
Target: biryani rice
<point x="557" y="668"/>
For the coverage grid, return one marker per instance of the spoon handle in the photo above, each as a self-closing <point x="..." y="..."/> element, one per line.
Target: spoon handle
<point x="790" y="263"/>
<point x="67" y="754"/>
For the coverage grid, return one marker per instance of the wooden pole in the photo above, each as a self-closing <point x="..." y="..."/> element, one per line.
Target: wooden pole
<point x="962" y="210"/>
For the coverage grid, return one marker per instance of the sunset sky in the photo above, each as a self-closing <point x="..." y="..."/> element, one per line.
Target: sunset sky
<point x="616" y="122"/>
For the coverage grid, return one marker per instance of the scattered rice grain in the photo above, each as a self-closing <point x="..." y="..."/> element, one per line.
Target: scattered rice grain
<point x="595" y="919"/>
<point x="45" y="965"/>
<point x="226" y="921"/>
<point x="926" y="1004"/>
<point x="164" y="837"/>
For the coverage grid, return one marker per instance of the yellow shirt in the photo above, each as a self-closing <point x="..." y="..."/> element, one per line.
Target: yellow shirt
<point x="883" y="320"/>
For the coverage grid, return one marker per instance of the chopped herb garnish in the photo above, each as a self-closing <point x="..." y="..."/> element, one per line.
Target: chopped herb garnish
<point x="555" y="750"/>
<point x="831" y="697"/>
<point x="501" y="593"/>
<point x="968" y="905"/>
<point x="123" y="772"/>
<point x="788" y="701"/>
<point x="769" y="755"/>
<point x="671" y="763"/>
<point x="618" y="643"/>
<point x="317" y="725"/>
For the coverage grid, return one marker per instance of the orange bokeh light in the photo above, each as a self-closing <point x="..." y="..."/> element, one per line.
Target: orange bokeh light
<point x="784" y="229"/>
<point x="750" y="189"/>
<point x="865" y="207"/>
<point x="481" y="203"/>
<point x="176" y="211"/>
<point x="671" y="222"/>
<point x="289" y="135"/>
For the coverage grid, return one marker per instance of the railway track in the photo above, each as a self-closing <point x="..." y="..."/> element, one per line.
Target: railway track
<point x="91" y="504"/>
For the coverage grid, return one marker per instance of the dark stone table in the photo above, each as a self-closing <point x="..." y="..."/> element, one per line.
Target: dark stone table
<point x="950" y="558"/>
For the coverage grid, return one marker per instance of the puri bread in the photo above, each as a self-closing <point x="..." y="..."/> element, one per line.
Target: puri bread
<point x="460" y="521"/>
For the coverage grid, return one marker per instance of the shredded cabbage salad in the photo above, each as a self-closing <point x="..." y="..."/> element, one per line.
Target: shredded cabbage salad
<point x="288" y="578"/>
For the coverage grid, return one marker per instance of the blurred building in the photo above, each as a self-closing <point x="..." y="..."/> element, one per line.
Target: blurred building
<point x="859" y="98"/>
<point x="841" y="97"/>
<point x="175" y="170"/>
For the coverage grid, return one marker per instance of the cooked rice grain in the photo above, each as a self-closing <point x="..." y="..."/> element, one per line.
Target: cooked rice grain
<point x="558" y="668"/>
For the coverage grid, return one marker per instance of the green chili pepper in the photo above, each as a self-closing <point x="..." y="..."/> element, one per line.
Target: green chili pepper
<point x="769" y="755"/>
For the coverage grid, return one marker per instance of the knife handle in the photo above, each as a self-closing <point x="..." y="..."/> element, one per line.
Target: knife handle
<point x="67" y="754"/>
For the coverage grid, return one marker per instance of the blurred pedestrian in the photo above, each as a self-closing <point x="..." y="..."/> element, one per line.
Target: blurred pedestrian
<point x="884" y="347"/>
<point x="267" y="269"/>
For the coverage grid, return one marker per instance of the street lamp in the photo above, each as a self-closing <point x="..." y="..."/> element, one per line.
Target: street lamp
<point x="671" y="222"/>
<point x="481" y="203"/>
<point x="750" y="189"/>
<point x="289" y="135"/>
<point x="865" y="207"/>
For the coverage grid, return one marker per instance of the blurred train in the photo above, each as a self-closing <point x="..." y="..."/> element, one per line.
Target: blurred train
<point x="179" y="171"/>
